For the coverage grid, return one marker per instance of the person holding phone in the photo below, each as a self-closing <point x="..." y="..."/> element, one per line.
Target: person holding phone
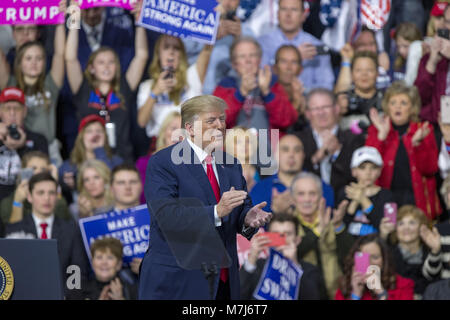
<point x="408" y="149"/>
<point x="415" y="247"/>
<point x="312" y="286"/>
<point x="15" y="139"/>
<point x="15" y="206"/>
<point x="380" y="282"/>
<point x="432" y="78"/>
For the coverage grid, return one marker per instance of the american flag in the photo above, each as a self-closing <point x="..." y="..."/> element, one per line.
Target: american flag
<point x="375" y="13"/>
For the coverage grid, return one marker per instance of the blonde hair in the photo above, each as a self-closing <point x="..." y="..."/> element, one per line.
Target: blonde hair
<point x="155" y="69"/>
<point x="400" y="87"/>
<point x="38" y="87"/>
<point x="160" y="141"/>
<point x="78" y="154"/>
<point x="115" y="83"/>
<point x="192" y="108"/>
<point x="409" y="32"/>
<point x="103" y="170"/>
<point x="242" y="135"/>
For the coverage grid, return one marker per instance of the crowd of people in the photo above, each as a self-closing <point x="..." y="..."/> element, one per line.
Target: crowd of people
<point x="358" y="111"/>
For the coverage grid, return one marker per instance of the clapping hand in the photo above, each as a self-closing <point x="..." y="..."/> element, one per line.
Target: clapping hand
<point x="383" y="124"/>
<point x="432" y="238"/>
<point x="256" y="217"/>
<point x="420" y="134"/>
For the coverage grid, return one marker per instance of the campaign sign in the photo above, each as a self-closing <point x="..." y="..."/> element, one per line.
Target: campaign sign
<point x="131" y="227"/>
<point x="194" y="19"/>
<point x="125" y="4"/>
<point x="280" y="279"/>
<point x="30" y="12"/>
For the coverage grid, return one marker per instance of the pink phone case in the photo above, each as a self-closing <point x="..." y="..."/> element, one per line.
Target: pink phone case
<point x="390" y="211"/>
<point x="362" y="262"/>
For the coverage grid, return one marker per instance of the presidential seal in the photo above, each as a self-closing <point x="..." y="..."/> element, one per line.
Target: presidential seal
<point x="6" y="280"/>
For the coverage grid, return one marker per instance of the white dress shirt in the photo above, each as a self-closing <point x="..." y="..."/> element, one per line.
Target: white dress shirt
<point x="48" y="221"/>
<point x="201" y="155"/>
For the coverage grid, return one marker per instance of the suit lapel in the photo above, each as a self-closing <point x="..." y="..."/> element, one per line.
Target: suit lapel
<point x="198" y="172"/>
<point x="30" y="226"/>
<point x="56" y="228"/>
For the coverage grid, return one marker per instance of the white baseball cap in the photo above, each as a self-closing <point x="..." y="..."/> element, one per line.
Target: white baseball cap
<point x="364" y="154"/>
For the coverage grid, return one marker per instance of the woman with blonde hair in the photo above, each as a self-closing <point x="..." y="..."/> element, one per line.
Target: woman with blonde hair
<point x="94" y="194"/>
<point x="408" y="149"/>
<point x="411" y="242"/>
<point x="102" y="90"/>
<point x="172" y="81"/>
<point x="165" y="138"/>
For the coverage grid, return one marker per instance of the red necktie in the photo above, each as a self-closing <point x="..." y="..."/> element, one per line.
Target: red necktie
<point x="44" y="233"/>
<point x="215" y="186"/>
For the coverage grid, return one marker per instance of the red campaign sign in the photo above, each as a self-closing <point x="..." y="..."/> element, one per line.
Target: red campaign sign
<point x="30" y="12"/>
<point x="243" y="249"/>
<point x="375" y="13"/>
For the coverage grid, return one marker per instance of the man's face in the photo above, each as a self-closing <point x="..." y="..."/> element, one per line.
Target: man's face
<point x="366" y="42"/>
<point x="92" y="16"/>
<point x="12" y="112"/>
<point x="288" y="66"/>
<point x="25" y="33"/>
<point x="286" y="228"/>
<point x="291" y="154"/>
<point x="246" y="58"/>
<point x="306" y="196"/>
<point x="321" y="112"/>
<point x="209" y="128"/>
<point x="290" y="15"/>
<point x="43" y="198"/>
<point x="126" y="188"/>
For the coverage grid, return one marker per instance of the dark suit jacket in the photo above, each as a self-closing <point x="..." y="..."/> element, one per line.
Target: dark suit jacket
<point x="67" y="234"/>
<point x="340" y="170"/>
<point x="160" y="276"/>
<point x="312" y="286"/>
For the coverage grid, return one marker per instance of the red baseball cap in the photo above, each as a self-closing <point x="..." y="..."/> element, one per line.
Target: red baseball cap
<point x="89" y="119"/>
<point x="12" y="94"/>
<point x="438" y="8"/>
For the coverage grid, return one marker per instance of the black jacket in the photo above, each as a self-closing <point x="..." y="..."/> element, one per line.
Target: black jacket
<point x="340" y="170"/>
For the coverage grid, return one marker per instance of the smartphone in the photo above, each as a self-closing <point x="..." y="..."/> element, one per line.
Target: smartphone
<point x="276" y="239"/>
<point x="230" y="15"/>
<point x="445" y="109"/>
<point x="322" y="50"/>
<point x="170" y="73"/>
<point x="26" y="174"/>
<point x="443" y="33"/>
<point x="390" y="211"/>
<point x="362" y="262"/>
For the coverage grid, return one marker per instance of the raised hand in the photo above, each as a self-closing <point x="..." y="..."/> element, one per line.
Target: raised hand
<point x="386" y="227"/>
<point x="420" y="134"/>
<point x="258" y="243"/>
<point x="256" y="217"/>
<point x="324" y="215"/>
<point x="432" y="238"/>
<point x="307" y="51"/>
<point x="264" y="78"/>
<point x="281" y="202"/>
<point x="339" y="213"/>
<point x="347" y="52"/>
<point x="383" y="124"/>
<point x="230" y="200"/>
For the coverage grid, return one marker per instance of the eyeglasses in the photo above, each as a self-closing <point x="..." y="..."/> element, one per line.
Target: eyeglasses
<point x="320" y="108"/>
<point x="244" y="56"/>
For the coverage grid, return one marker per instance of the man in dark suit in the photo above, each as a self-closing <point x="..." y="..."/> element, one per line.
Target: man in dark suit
<point x="193" y="169"/>
<point x="43" y="224"/>
<point x="328" y="149"/>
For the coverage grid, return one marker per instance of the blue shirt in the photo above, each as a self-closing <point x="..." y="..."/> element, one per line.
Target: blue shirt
<point x="262" y="191"/>
<point x="317" y="72"/>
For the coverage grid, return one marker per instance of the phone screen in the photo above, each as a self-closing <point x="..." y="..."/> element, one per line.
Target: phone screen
<point x="445" y="109"/>
<point x="322" y="50"/>
<point x="362" y="262"/>
<point x="390" y="211"/>
<point x="444" y="33"/>
<point x="276" y="239"/>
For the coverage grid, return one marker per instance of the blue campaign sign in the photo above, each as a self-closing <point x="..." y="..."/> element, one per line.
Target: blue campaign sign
<point x="194" y="19"/>
<point x="280" y="279"/>
<point x="131" y="227"/>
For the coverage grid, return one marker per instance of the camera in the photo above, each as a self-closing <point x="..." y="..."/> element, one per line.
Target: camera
<point x="443" y="33"/>
<point x="13" y="132"/>
<point x="358" y="105"/>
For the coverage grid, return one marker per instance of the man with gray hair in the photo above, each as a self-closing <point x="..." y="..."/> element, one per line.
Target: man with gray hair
<point x="325" y="241"/>
<point x="194" y="168"/>
<point x="255" y="98"/>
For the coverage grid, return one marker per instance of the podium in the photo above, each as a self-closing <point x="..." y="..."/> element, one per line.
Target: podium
<point x="35" y="268"/>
